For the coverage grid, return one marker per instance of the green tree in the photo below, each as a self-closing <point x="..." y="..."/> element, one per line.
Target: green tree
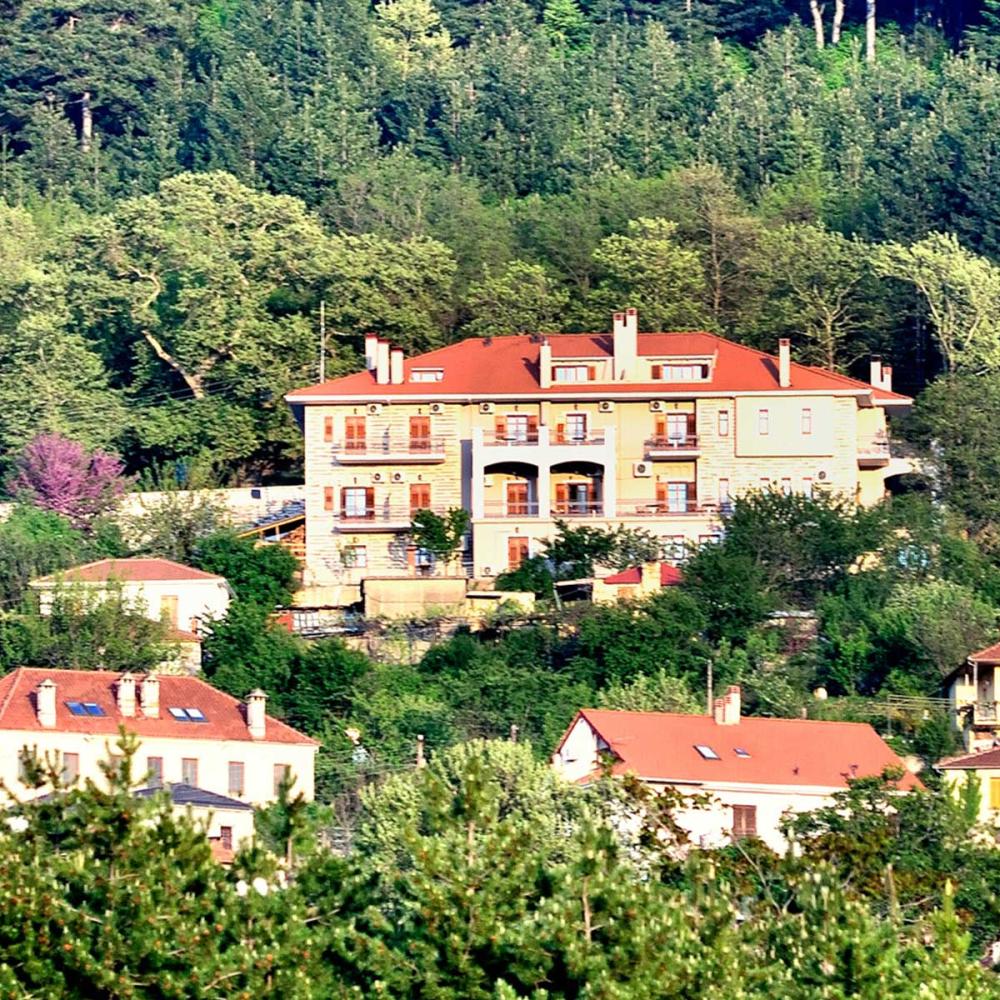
<point x="33" y="543"/>
<point x="263" y="575"/>
<point x="521" y="298"/>
<point x="443" y="535"/>
<point x="646" y="269"/>
<point x="410" y="35"/>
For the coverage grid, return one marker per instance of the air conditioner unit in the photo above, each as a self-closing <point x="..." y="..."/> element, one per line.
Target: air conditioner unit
<point x="642" y="469"/>
<point x="399" y="477"/>
<point x="486" y="407"/>
<point x="487" y="571"/>
<point x="605" y="406"/>
<point x="656" y="406"/>
<point x="437" y="407"/>
<point x="378" y="477"/>
<point x="374" y="408"/>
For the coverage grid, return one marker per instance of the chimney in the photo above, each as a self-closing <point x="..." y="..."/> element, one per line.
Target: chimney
<point x="45" y="704"/>
<point x="875" y="371"/>
<point x="726" y="710"/>
<point x="784" y="362"/>
<point x="382" y="362"/>
<point x="649" y="577"/>
<point x="396" y="366"/>
<point x="256" y="714"/>
<point x="126" y="695"/>
<point x="545" y="365"/>
<point x="371" y="350"/>
<point x="625" y="328"/>
<point x="151" y="696"/>
<point x="887" y="377"/>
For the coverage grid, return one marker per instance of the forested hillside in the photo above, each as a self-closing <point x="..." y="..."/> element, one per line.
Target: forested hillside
<point x="182" y="184"/>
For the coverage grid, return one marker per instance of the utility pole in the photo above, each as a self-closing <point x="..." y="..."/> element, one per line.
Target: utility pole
<point x="322" y="340"/>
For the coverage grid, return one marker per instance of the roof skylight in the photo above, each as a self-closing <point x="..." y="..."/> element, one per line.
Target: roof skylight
<point x="187" y="714"/>
<point x="84" y="708"/>
<point x="740" y="752"/>
<point x="706" y="751"/>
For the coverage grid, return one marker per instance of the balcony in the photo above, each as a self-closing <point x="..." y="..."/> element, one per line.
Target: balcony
<point x="873" y="452"/>
<point x="381" y="517"/>
<point x="644" y="507"/>
<point x="412" y="450"/>
<point x="673" y="446"/>
<point x="544" y="444"/>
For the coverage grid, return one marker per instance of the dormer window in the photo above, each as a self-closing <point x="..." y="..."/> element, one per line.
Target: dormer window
<point x="572" y="373"/>
<point x="426" y="374"/>
<point x="686" y="372"/>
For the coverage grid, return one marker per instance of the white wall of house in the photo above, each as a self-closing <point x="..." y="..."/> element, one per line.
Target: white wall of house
<point x="211" y="821"/>
<point x="212" y="756"/>
<point x="186" y="604"/>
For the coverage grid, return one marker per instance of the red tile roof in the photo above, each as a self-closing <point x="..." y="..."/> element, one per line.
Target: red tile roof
<point x="508" y="366"/>
<point x="989" y="655"/>
<point x="225" y="715"/>
<point x="670" y="576"/>
<point x="660" y="746"/>
<point x="984" y="759"/>
<point x="139" y="570"/>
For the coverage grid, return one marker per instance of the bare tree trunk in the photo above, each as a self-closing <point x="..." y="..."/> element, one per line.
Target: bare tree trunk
<point x="870" y="31"/>
<point x="838" y="20"/>
<point x="86" y="123"/>
<point x="817" y="13"/>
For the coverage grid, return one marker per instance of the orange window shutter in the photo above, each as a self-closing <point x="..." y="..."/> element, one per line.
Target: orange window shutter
<point x="369" y="501"/>
<point x="532" y="427"/>
<point x="343" y="502"/>
<point x="327" y="498"/>
<point x="995" y="793"/>
<point x="692" y="491"/>
<point x="661" y="492"/>
<point x="562" y="493"/>
<point x="657" y="371"/>
<point x="328" y="428"/>
<point x="560" y="432"/>
<point x="500" y="427"/>
<point x="591" y="373"/>
<point x="661" y="427"/>
<point x="691" y="424"/>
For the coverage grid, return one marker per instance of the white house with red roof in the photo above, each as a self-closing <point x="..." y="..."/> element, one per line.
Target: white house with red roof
<point x="185" y="598"/>
<point x="754" y="770"/>
<point x="652" y="430"/>
<point x="974" y="698"/>
<point x="191" y="735"/>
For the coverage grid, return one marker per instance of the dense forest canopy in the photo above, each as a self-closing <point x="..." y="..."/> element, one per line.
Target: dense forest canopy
<point x="182" y="185"/>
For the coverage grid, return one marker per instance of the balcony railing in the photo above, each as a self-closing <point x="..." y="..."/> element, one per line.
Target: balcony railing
<point x="513" y="508"/>
<point x="417" y="449"/>
<point x="515" y="438"/>
<point x="594" y="437"/>
<point x="492" y="440"/>
<point x="581" y="508"/>
<point x="874" y="450"/>
<point x="380" y="517"/>
<point x="641" y="507"/>
<point x="667" y="444"/>
<point x="662" y="508"/>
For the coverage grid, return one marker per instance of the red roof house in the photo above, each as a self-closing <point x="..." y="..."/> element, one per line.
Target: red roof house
<point x="760" y="767"/>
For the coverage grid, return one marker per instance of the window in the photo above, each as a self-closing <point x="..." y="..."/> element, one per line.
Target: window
<point x="328" y="429"/>
<point x="189" y="770"/>
<point x="807" y="486"/>
<point x="995" y="793"/>
<point x="765" y="484"/>
<point x="354" y="433"/>
<point x="70" y="768"/>
<point x="709" y="539"/>
<point x="744" y="822"/>
<point x="281" y="773"/>
<point x="724" y="498"/>
<point x="85" y="708"/>
<point x="420" y="497"/>
<point x="672" y="548"/>
<point x="763" y="422"/>
<point x="707" y="752"/>
<point x="786" y="487"/>
<point x="187" y="714"/>
<point x="426" y="374"/>
<point x="423" y="559"/>
<point x="168" y="609"/>
<point x="723" y="423"/>
<point x="23" y="757"/>
<point x="681" y="373"/>
<point x="675" y="498"/>
<point x="740" y="752"/>
<point x="576" y="427"/>
<point x="154" y="768"/>
<point x="677" y="427"/>
<point x="357" y="502"/>
<point x="327" y="498"/>
<point x="572" y="373"/>
<point x="355" y="556"/>
<point x="420" y="433"/>
<point x="237" y="775"/>
<point x="807" y="420"/>
<point x="226" y="838"/>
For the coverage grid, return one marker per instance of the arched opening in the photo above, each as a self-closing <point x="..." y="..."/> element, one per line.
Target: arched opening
<point x="577" y="489"/>
<point x="510" y="489"/>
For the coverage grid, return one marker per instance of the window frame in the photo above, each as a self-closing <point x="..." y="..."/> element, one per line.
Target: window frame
<point x="278" y="774"/>
<point x="806" y="421"/>
<point x="763" y="422"/>
<point x="240" y="767"/>
<point x="154" y="768"/>
<point x="723" y="423"/>
<point x="69" y="767"/>
<point x="744" y="821"/>
<point x="189" y="767"/>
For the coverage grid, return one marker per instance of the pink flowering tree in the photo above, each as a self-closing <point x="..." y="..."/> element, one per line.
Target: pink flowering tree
<point x="59" y="474"/>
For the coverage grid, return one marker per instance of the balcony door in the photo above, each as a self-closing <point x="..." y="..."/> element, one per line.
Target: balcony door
<point x="420" y="433"/>
<point x="354" y="434"/>
<point x="518" y="499"/>
<point x="517" y="428"/>
<point x="675" y="428"/>
<point x="576" y="498"/>
<point x="675" y="498"/>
